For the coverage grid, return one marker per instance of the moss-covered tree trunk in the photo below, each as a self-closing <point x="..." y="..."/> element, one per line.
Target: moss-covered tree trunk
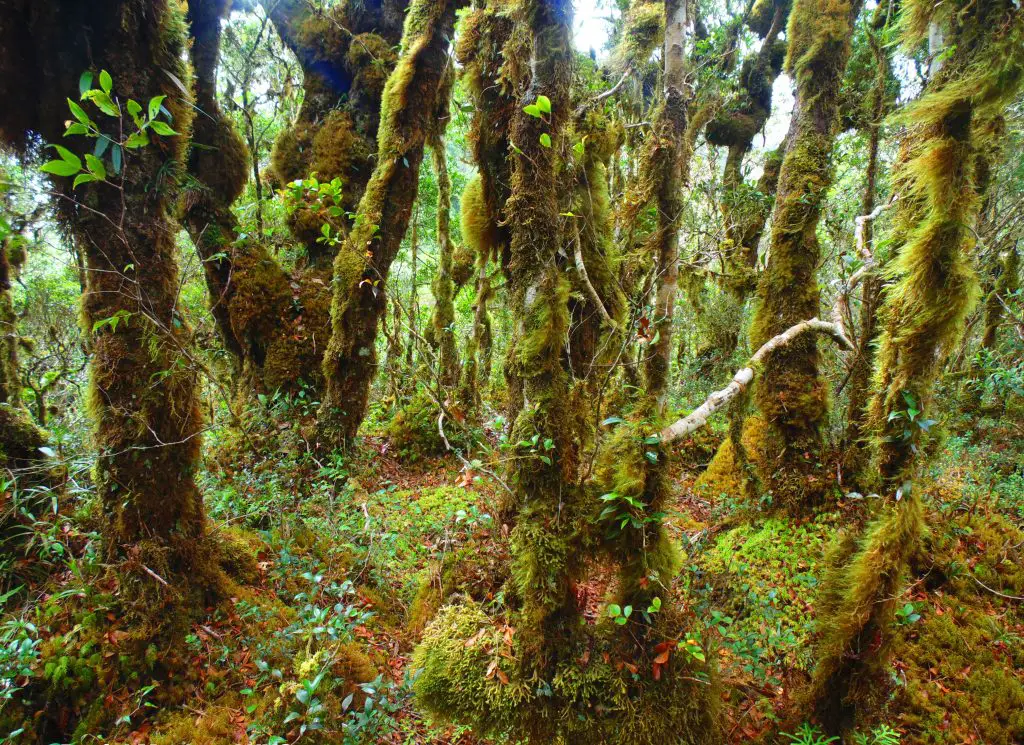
<point x="364" y="260"/>
<point x="735" y="128"/>
<point x="20" y="438"/>
<point x="443" y="320"/>
<point x="143" y="394"/>
<point x="791" y="394"/>
<point x="275" y="321"/>
<point x="857" y="451"/>
<point x="545" y="560"/>
<point x="933" y="289"/>
<point x="218" y="162"/>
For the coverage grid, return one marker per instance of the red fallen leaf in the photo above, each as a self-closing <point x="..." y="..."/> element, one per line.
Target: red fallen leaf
<point x="584" y="658"/>
<point x="662" y="659"/>
<point x="501" y="676"/>
<point x="632" y="668"/>
<point x="656" y="671"/>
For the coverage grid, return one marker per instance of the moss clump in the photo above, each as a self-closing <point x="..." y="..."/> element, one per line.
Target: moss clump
<point x="723" y="478"/>
<point x="473" y="671"/>
<point x="413" y="429"/>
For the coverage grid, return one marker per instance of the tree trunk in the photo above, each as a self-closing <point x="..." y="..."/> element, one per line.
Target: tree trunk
<point x="791" y="394"/>
<point x="443" y="320"/>
<point x="143" y="394"/>
<point x="857" y="450"/>
<point x="362" y="265"/>
<point x="545" y="560"/>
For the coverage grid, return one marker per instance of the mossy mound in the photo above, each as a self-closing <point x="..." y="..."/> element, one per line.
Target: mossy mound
<point x="602" y="690"/>
<point x="723" y="478"/>
<point x="413" y="430"/>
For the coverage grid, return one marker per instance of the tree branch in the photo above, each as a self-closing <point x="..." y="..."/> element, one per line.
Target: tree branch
<point x="717" y="400"/>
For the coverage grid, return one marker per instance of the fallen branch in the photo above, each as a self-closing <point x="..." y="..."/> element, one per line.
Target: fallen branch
<point x="745" y="376"/>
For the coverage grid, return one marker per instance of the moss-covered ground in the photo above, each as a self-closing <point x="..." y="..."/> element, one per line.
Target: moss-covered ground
<point x="333" y="570"/>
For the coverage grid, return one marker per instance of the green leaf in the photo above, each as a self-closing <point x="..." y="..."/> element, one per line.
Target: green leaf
<point x="578" y="148"/>
<point x="545" y="139"/>
<point x="627" y="611"/>
<point x="162" y="128"/>
<point x="76" y="128"/>
<point x="106" y="83"/>
<point x="83" y="178"/>
<point x="95" y="166"/>
<point x="614" y="610"/>
<point x="612" y="420"/>
<point x="78" y="112"/>
<point x="115" y="158"/>
<point x="544" y="104"/>
<point x="651" y="456"/>
<point x="101" y="146"/>
<point x="154" y="105"/>
<point x="134" y="108"/>
<point x="137" y="140"/>
<point x="533" y="110"/>
<point x="59" y="168"/>
<point x="652" y="439"/>
<point x="85" y="82"/>
<point x="67" y="156"/>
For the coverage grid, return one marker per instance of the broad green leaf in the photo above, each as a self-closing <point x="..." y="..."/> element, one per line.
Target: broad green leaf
<point x="95" y="166"/>
<point x="83" y="178"/>
<point x="544" y="104"/>
<point x="162" y="128"/>
<point x="78" y="112"/>
<point x="102" y="143"/>
<point x="154" y="105"/>
<point x="76" y="128"/>
<point x="137" y="140"/>
<point x="533" y="110"/>
<point x="115" y="158"/>
<point x="106" y="83"/>
<point x="614" y="610"/>
<point x="85" y="82"/>
<point x="545" y="139"/>
<point x="134" y="107"/>
<point x="66" y="155"/>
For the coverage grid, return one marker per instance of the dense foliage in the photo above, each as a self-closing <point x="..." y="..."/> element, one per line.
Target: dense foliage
<point x="443" y="372"/>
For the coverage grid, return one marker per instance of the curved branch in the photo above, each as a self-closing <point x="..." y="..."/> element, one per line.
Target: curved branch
<point x="745" y="376"/>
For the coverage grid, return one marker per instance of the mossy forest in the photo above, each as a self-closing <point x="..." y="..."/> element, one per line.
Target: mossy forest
<point x="511" y="372"/>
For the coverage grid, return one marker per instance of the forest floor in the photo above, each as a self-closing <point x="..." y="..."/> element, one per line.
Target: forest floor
<point x="314" y="640"/>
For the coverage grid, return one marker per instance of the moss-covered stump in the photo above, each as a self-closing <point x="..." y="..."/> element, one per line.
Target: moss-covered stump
<point x="472" y="670"/>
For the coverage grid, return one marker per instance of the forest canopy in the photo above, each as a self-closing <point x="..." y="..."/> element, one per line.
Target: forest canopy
<point x="618" y="372"/>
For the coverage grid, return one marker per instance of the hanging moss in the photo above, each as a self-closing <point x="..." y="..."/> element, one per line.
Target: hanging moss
<point x="933" y="288"/>
<point x="643" y="33"/>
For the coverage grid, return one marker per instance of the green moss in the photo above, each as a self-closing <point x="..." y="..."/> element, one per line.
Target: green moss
<point x="592" y="697"/>
<point x="723" y="478"/>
